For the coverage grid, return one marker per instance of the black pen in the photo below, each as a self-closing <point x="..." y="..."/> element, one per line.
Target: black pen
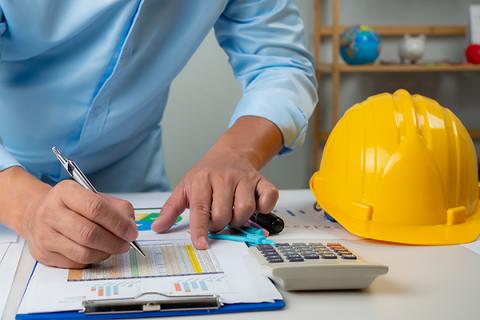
<point x="269" y="221"/>
<point x="77" y="175"/>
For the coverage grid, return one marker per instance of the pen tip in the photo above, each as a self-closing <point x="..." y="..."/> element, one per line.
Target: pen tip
<point x="137" y="248"/>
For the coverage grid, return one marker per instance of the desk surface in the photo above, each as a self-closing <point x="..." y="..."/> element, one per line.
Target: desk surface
<point x="423" y="283"/>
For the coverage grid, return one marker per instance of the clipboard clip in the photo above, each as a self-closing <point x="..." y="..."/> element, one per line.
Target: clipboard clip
<point x="142" y="303"/>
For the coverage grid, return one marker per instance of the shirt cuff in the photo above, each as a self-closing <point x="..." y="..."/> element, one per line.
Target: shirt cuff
<point x="274" y="105"/>
<point x="7" y="160"/>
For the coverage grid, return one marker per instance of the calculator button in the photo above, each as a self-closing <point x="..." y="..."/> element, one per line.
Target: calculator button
<point x="329" y="256"/>
<point x="308" y="253"/>
<point x="275" y="260"/>
<point x="293" y="255"/>
<point x="324" y="253"/>
<point x="349" y="257"/>
<point x="266" y="249"/>
<point x="264" y="246"/>
<point x="311" y="256"/>
<point x="282" y="245"/>
<point x="289" y="252"/>
<point x="333" y="244"/>
<point x="269" y="255"/>
<point x="299" y="244"/>
<point x="295" y="259"/>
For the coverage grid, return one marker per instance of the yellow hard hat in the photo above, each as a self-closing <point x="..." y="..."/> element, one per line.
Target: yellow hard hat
<point x="401" y="168"/>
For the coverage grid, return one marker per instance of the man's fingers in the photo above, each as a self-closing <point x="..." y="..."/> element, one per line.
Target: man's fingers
<point x="53" y="259"/>
<point x="99" y="210"/>
<point x="122" y="205"/>
<point x="222" y="202"/>
<point x="175" y="205"/>
<point x="87" y="233"/>
<point x="75" y="252"/>
<point x="244" y="204"/>
<point x="200" y="205"/>
<point x="267" y="196"/>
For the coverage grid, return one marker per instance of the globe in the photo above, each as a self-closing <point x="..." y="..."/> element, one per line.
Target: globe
<point x="359" y="45"/>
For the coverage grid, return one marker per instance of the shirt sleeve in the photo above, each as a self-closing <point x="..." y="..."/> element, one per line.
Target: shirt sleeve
<point x="264" y="40"/>
<point x="6" y="159"/>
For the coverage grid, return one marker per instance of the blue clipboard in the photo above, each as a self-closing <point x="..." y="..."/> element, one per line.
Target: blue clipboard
<point x="226" y="308"/>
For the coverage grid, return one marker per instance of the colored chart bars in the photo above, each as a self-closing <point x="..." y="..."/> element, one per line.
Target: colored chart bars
<point x="115" y="290"/>
<point x="163" y="259"/>
<point x="144" y="219"/>
<point x="215" y="282"/>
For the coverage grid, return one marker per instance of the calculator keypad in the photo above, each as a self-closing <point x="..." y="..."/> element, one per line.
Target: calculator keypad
<point x="299" y="252"/>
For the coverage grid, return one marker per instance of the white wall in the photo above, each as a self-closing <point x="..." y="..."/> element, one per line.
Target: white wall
<point x="205" y="93"/>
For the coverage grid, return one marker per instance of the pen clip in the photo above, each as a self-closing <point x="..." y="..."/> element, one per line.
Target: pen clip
<point x="73" y="170"/>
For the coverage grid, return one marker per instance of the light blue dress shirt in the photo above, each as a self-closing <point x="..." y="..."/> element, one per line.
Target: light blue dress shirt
<point x="93" y="76"/>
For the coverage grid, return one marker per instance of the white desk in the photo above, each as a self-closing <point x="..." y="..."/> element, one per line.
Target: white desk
<point x="422" y="283"/>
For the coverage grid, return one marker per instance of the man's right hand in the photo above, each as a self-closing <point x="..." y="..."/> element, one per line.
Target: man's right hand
<point x="70" y="227"/>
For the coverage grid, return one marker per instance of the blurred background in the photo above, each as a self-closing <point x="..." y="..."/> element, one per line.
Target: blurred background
<point x="207" y="92"/>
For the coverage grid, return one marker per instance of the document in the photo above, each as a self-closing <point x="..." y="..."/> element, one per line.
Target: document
<point x="9" y="258"/>
<point x="224" y="269"/>
<point x="172" y="266"/>
<point x="304" y="222"/>
<point x="162" y="259"/>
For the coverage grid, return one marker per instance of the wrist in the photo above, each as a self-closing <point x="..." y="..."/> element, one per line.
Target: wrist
<point x="20" y="194"/>
<point x="243" y="153"/>
<point x="251" y="138"/>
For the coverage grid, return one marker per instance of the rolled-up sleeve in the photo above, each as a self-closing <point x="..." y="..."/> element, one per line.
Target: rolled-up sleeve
<point x="264" y="40"/>
<point x="6" y="159"/>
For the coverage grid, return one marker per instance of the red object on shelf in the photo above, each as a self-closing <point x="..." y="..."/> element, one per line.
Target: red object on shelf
<point x="473" y="53"/>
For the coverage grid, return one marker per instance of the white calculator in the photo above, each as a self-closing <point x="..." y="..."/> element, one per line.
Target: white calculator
<point x="314" y="265"/>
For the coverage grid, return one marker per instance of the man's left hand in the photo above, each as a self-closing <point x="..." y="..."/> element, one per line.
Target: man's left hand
<point x="222" y="189"/>
<point x="226" y="187"/>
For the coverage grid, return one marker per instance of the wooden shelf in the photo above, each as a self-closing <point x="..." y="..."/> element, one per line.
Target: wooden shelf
<point x="337" y="69"/>
<point x="328" y="67"/>
<point x="433" y="30"/>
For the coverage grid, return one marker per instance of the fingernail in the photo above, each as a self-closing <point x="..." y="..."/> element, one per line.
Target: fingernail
<point x="157" y="226"/>
<point x="202" y="242"/>
<point x="133" y="233"/>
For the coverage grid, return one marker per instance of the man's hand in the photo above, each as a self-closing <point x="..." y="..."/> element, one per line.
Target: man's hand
<point x="65" y="226"/>
<point x="73" y="227"/>
<point x="220" y="190"/>
<point x="225" y="187"/>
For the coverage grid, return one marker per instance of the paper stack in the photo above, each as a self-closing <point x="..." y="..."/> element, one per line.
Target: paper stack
<point x="10" y="250"/>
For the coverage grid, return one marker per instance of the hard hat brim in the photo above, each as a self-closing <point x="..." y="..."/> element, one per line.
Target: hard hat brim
<point x="411" y="234"/>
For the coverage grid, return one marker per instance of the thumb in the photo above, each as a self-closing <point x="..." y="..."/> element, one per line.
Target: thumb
<point x="175" y="205"/>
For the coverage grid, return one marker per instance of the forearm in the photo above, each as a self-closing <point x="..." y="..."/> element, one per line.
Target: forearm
<point x="19" y="191"/>
<point x="254" y="138"/>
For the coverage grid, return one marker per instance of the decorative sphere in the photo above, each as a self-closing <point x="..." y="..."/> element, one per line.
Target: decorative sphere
<point x="473" y="53"/>
<point x="359" y="45"/>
